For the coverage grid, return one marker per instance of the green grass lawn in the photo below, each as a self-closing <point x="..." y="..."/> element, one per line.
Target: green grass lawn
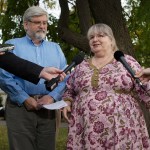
<point x="60" y="144"/>
<point x="3" y="138"/>
<point x="61" y="139"/>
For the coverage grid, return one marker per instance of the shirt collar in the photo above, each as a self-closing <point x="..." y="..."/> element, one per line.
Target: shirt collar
<point x="27" y="36"/>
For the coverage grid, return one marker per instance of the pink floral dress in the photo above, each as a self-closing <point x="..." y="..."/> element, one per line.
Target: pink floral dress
<point x="105" y="111"/>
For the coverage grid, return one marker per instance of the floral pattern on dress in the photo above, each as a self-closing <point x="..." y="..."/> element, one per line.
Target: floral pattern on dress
<point x="107" y="117"/>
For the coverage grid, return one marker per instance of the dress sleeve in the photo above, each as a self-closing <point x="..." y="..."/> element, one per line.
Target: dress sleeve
<point x="141" y="94"/>
<point x="70" y="92"/>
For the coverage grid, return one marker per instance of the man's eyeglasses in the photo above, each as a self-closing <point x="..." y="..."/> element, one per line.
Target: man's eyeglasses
<point x="39" y="23"/>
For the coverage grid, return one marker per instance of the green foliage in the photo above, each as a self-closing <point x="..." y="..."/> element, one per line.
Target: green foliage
<point x="138" y="22"/>
<point x="49" y="3"/>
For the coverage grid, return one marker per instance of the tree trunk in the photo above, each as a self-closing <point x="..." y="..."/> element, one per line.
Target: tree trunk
<point x="110" y="13"/>
<point x="97" y="11"/>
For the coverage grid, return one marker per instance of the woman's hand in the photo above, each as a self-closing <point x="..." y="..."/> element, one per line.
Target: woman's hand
<point x="66" y="111"/>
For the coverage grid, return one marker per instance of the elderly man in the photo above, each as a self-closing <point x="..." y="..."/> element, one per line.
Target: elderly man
<point x="30" y="127"/>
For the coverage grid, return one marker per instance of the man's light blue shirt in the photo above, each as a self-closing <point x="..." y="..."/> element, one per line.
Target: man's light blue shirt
<point x="47" y="54"/>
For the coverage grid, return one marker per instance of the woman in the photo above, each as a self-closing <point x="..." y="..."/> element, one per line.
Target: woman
<point x="100" y="94"/>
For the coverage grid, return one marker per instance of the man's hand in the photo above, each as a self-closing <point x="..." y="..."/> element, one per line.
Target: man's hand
<point x="45" y="100"/>
<point x="144" y="75"/>
<point x="2" y="53"/>
<point x="50" y="72"/>
<point x="31" y="104"/>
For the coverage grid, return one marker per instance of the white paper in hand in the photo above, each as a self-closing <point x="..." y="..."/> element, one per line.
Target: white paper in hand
<point x="56" y="105"/>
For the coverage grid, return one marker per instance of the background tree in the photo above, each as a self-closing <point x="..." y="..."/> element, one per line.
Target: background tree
<point x="138" y="22"/>
<point x="89" y="12"/>
<point x="77" y="16"/>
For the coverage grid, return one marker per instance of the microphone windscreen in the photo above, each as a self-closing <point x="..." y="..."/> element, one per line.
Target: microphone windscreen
<point x="6" y="47"/>
<point x="118" y="54"/>
<point x="78" y="58"/>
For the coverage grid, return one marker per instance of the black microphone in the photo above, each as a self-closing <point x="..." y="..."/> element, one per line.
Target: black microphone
<point x="6" y="47"/>
<point x="53" y="83"/>
<point x="119" y="56"/>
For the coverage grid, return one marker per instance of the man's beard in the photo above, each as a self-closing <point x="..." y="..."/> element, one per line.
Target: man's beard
<point x="40" y="35"/>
